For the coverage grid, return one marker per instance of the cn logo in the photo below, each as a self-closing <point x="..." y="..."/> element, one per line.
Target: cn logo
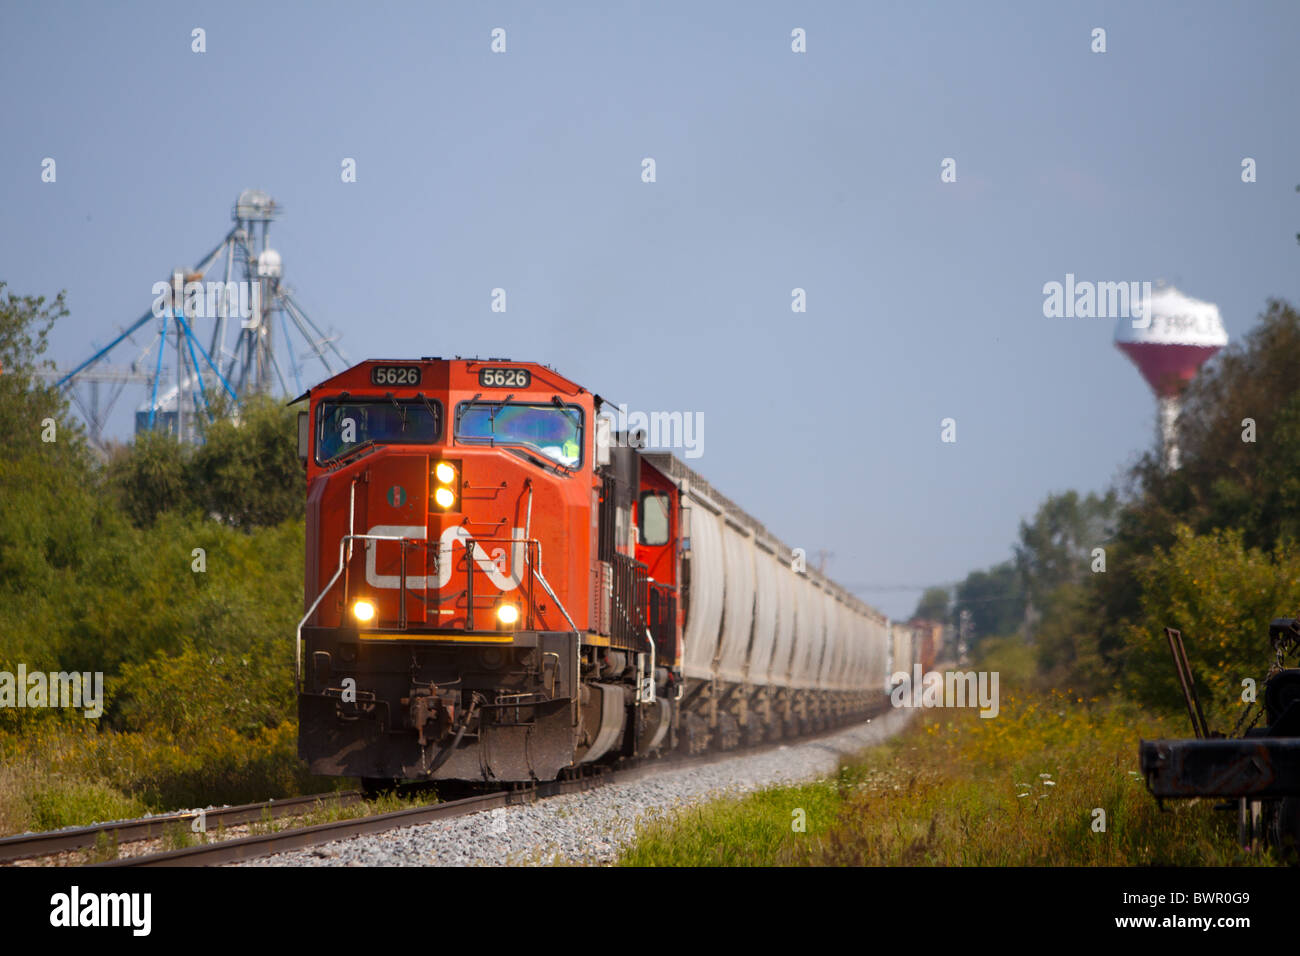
<point x="495" y="567"/>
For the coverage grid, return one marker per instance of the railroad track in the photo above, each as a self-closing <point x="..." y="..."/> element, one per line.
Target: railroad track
<point x="266" y="844"/>
<point x="33" y="845"/>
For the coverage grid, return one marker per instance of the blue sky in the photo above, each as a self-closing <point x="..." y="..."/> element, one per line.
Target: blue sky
<point x="775" y="170"/>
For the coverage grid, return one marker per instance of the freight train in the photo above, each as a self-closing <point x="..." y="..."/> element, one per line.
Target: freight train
<point x="501" y="588"/>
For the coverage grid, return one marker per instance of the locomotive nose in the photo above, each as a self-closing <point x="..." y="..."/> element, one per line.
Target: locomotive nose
<point x="444" y="552"/>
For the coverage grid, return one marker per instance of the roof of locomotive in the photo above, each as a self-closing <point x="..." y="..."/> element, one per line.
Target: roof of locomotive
<point x="345" y="378"/>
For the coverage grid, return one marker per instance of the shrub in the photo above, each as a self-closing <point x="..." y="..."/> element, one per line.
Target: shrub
<point x="1221" y="595"/>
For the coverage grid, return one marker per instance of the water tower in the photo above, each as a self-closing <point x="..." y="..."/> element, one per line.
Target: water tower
<point x="1182" y="335"/>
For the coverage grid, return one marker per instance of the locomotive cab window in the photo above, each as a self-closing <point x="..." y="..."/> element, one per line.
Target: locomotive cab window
<point x="652" y="519"/>
<point x="553" y="430"/>
<point x="344" y="426"/>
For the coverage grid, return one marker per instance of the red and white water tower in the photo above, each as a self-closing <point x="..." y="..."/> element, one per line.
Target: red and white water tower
<point x="1172" y="339"/>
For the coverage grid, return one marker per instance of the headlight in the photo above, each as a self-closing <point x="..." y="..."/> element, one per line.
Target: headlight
<point x="508" y="614"/>
<point x="363" y="611"/>
<point x="446" y="474"/>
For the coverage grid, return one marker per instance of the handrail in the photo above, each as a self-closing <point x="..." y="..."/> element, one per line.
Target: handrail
<point x="577" y="656"/>
<point x="343" y="541"/>
<point x="523" y="575"/>
<point x="641" y="696"/>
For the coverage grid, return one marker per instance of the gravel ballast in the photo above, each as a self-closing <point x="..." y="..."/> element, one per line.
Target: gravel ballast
<point x="590" y="828"/>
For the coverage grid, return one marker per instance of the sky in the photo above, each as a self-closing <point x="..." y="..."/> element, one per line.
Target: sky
<point x="774" y="170"/>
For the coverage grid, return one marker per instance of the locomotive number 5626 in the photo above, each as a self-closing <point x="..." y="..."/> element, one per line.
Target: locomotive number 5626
<point x="504" y="377"/>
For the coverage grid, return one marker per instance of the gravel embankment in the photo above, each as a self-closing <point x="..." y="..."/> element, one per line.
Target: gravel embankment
<point x="592" y="827"/>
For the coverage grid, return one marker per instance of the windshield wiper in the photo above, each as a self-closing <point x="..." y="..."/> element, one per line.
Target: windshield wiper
<point x="495" y="406"/>
<point x="496" y="410"/>
<point x="433" y="412"/>
<point x="569" y="413"/>
<point x="400" y="407"/>
<point x="355" y="448"/>
<point x="546" y="462"/>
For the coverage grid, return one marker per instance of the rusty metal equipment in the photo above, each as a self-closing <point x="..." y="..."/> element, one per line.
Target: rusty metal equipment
<point x="1184" y="668"/>
<point x="1260" y="769"/>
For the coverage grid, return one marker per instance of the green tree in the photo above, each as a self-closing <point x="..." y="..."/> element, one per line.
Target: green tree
<point x="53" y="518"/>
<point x="933" y="605"/>
<point x="27" y="404"/>
<point x="152" y="475"/>
<point x="1056" y="548"/>
<point x="247" y="472"/>
<point x="995" y="600"/>
<point x="1221" y="594"/>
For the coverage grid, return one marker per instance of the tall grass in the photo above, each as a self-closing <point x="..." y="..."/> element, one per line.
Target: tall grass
<point x="63" y="773"/>
<point x="1021" y="789"/>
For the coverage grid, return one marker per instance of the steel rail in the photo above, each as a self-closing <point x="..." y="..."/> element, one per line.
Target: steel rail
<point x="29" y="845"/>
<point x="266" y="844"/>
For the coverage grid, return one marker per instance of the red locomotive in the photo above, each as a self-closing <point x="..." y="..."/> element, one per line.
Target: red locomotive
<point x="501" y="588"/>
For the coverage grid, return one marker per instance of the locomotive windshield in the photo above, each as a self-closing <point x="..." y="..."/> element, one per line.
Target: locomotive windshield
<point x="553" y="430"/>
<point x="343" y="427"/>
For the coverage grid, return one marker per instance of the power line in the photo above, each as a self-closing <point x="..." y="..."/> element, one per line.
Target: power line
<point x="901" y="587"/>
